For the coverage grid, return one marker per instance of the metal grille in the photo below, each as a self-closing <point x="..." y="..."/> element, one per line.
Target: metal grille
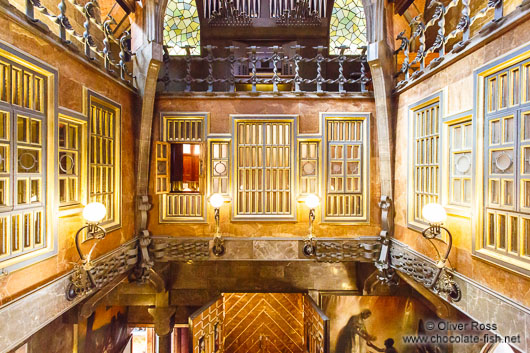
<point x="183" y="130"/>
<point x="102" y="158"/>
<point x="340" y="251"/>
<point x="264" y="168"/>
<point x="346" y="169"/>
<point x="426" y="157"/>
<point x="174" y="249"/>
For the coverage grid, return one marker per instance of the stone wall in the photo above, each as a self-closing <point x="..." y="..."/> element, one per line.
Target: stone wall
<point x="308" y="110"/>
<point x="456" y="83"/>
<point x="75" y="77"/>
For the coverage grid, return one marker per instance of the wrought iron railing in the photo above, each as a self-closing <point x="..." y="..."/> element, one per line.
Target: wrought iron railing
<point x="112" y="53"/>
<point x="415" y="56"/>
<point x="339" y="74"/>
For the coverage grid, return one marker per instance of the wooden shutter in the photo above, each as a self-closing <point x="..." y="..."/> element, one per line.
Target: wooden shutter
<point x="162" y="168"/>
<point x="202" y="168"/>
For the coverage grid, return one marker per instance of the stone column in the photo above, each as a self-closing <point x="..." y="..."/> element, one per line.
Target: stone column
<point x="164" y="344"/>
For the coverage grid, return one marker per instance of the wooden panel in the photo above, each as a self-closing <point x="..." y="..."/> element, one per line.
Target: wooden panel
<point x="207" y="328"/>
<point x="162" y="168"/>
<point x="264" y="322"/>
<point x="315" y="328"/>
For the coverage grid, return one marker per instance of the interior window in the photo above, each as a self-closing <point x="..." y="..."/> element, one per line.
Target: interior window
<point x="185" y="167"/>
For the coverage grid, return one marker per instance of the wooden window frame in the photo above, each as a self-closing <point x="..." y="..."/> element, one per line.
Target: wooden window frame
<point x="214" y="177"/>
<point x="80" y="121"/>
<point x="364" y="144"/>
<point x="114" y="221"/>
<point x="37" y="101"/>
<point x="501" y="255"/>
<point x="265" y="119"/>
<point x="461" y="209"/>
<point x="171" y="202"/>
<point x="413" y="222"/>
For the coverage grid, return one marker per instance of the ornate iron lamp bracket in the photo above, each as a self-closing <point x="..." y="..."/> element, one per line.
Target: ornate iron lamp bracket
<point x="82" y="280"/>
<point x="218" y="248"/>
<point x="442" y="282"/>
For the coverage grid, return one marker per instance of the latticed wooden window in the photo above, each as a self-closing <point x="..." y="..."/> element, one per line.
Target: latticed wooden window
<point x="460" y="162"/>
<point x="23" y="146"/>
<point x="104" y="162"/>
<point x="219" y="167"/>
<point x="69" y="162"/>
<point x="180" y="172"/>
<point x="308" y="167"/>
<point x="507" y="164"/>
<point x="347" y="169"/>
<point x="264" y="162"/>
<point x="425" y="158"/>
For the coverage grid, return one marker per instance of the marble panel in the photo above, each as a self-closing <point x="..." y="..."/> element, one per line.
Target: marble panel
<point x="275" y="250"/>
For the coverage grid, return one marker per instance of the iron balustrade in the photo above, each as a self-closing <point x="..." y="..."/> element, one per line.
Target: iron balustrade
<point x="228" y="81"/>
<point x="416" y="51"/>
<point x="107" y="52"/>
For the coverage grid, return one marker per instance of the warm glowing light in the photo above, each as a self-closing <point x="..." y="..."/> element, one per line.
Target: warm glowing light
<point x="216" y="200"/>
<point x="197" y="150"/>
<point x="312" y="201"/>
<point x="94" y="212"/>
<point x="434" y="213"/>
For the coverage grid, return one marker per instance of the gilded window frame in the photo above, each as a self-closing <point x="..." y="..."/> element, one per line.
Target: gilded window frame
<point x="164" y="199"/>
<point x="365" y="163"/>
<point x="455" y="209"/>
<point x="82" y="121"/>
<point x="517" y="56"/>
<point x="48" y="97"/>
<point x="116" y="222"/>
<point x="265" y="118"/>
<point x="436" y="98"/>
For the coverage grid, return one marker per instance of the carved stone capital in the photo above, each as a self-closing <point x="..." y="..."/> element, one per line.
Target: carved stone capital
<point x="163" y="318"/>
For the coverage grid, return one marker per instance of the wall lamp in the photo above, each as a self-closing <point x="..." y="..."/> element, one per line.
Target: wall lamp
<point x="443" y="283"/>
<point x="93" y="213"/>
<point x="312" y="201"/>
<point x="216" y="201"/>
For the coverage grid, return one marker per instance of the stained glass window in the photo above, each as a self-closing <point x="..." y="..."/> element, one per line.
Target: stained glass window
<point x="347" y="27"/>
<point x="182" y="27"/>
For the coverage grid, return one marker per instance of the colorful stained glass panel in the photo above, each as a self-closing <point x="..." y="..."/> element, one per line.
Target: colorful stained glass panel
<point x="182" y="27"/>
<point x="347" y="27"/>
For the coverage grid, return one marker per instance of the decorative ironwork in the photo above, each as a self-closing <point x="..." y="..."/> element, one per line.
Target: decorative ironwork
<point x="424" y="271"/>
<point x="91" y="46"/>
<point x="170" y="249"/>
<point x="229" y="15"/>
<point x="300" y="15"/>
<point x="347" y="250"/>
<point x="102" y="271"/>
<point x="433" y="55"/>
<point x="356" y="80"/>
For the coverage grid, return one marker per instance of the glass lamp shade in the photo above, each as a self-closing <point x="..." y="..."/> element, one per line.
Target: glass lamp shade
<point x="312" y="201"/>
<point x="94" y="212"/>
<point x="216" y="200"/>
<point x="434" y="213"/>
